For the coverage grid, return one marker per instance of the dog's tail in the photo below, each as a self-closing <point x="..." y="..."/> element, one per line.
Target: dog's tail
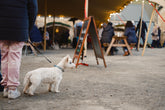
<point x="26" y="82"/>
<point x="26" y="79"/>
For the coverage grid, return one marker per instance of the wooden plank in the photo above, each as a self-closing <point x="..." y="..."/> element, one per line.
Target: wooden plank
<point x="149" y="27"/>
<point x="128" y="47"/>
<point x="110" y="46"/>
<point x="140" y="30"/>
<point x="45" y="25"/>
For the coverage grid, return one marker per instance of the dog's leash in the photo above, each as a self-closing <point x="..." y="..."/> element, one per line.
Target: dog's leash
<point x="39" y="51"/>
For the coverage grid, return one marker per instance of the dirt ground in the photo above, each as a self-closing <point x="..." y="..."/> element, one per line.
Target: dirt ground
<point x="128" y="83"/>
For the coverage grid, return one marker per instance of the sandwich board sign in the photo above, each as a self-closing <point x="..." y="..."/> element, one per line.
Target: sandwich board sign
<point x="89" y="27"/>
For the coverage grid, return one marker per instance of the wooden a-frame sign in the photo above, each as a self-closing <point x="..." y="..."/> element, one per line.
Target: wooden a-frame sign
<point x="89" y="27"/>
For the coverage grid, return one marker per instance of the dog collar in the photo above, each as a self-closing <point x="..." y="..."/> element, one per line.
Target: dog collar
<point x="59" y="68"/>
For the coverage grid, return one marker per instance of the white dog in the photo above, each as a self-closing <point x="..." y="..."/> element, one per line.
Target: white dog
<point x="52" y="76"/>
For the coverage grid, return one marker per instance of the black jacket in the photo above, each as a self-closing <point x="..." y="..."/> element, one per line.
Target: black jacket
<point x="17" y="17"/>
<point x="107" y="34"/>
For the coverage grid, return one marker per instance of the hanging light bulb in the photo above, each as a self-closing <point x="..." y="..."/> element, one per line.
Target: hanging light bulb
<point x="39" y="15"/>
<point x="57" y="30"/>
<point x="49" y="16"/>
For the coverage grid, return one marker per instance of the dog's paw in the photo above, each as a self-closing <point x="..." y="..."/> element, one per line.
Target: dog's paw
<point x="49" y="90"/>
<point x="57" y="91"/>
<point x="30" y="94"/>
<point x="25" y="92"/>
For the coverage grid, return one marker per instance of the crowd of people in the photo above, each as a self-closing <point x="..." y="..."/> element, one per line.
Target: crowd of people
<point x="132" y="32"/>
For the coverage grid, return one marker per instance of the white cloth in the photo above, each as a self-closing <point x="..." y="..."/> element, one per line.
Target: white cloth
<point x="100" y="33"/>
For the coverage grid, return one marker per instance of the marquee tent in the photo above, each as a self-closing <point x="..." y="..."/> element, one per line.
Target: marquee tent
<point x="100" y="9"/>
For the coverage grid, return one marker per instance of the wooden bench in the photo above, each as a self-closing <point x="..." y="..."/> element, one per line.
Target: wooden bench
<point x="116" y="42"/>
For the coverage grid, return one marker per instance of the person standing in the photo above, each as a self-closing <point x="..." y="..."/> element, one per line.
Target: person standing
<point x="143" y="31"/>
<point x="17" y="18"/>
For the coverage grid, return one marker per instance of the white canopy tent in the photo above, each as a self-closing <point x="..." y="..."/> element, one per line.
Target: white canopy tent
<point x="133" y="12"/>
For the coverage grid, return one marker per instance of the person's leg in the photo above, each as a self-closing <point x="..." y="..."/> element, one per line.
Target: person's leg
<point x="158" y="44"/>
<point x="154" y="43"/>
<point x="143" y="38"/>
<point x="14" y="61"/>
<point x="4" y="65"/>
<point x="105" y="49"/>
<point x="111" y="51"/>
<point x="14" y="57"/>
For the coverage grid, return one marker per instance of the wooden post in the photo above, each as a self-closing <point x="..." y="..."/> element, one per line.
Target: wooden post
<point x="148" y="31"/>
<point x="53" y="28"/>
<point x="86" y="15"/>
<point x="45" y="25"/>
<point x="140" y="30"/>
<point x="86" y="9"/>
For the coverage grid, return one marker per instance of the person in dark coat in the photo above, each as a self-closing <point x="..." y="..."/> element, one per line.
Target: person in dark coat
<point x="131" y="35"/>
<point x="107" y="34"/>
<point x="35" y="35"/>
<point x="17" y="18"/>
<point x="143" y="31"/>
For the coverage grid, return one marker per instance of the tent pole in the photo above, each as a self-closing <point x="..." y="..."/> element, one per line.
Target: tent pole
<point x="45" y="25"/>
<point x="148" y="31"/>
<point x="53" y="29"/>
<point x="86" y="9"/>
<point x="142" y="10"/>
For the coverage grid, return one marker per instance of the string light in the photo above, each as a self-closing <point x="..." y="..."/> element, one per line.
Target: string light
<point x="39" y="15"/>
<point x="49" y="16"/>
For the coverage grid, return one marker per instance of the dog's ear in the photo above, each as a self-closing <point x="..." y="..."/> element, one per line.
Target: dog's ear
<point x="68" y="56"/>
<point x="67" y="59"/>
